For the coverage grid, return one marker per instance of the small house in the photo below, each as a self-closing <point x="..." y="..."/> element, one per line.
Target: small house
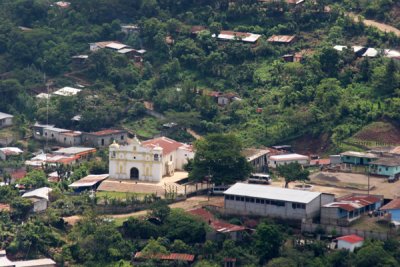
<point x="393" y="209"/>
<point x="277" y="160"/>
<point x="386" y="167"/>
<point x="104" y="138"/>
<point x="258" y="158"/>
<point x="39" y="198"/>
<point x="76" y="151"/>
<point x="66" y="91"/>
<point x="245" y="37"/>
<point x="172" y="259"/>
<point x="90" y="182"/>
<point x="350" y="242"/>
<point x="71" y="138"/>
<point x="281" y="39"/>
<point x="130" y="29"/>
<point x="219" y="227"/>
<point x="284" y="203"/>
<point x="225" y="99"/>
<point x="6" y="120"/>
<point x="357" y="158"/>
<point x="79" y="59"/>
<point x="6" y="152"/>
<point x="347" y="209"/>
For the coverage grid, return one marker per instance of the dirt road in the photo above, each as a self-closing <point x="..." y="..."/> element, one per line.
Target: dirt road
<point x="381" y="26"/>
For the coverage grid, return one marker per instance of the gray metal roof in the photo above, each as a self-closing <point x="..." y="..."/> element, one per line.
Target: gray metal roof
<point x="5" y="115"/>
<point x="273" y="193"/>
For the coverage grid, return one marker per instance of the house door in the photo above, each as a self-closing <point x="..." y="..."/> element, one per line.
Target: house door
<point x="134" y="174"/>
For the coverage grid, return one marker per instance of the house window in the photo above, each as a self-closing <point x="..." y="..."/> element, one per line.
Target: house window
<point x="102" y="142"/>
<point x="298" y="206"/>
<point x="113" y="154"/>
<point x="122" y="137"/>
<point x="65" y="139"/>
<point x="52" y="135"/>
<point x="170" y="158"/>
<point x="156" y="157"/>
<point x="387" y="168"/>
<point x="45" y="133"/>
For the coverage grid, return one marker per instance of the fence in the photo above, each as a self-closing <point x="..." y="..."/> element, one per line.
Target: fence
<point x="312" y="227"/>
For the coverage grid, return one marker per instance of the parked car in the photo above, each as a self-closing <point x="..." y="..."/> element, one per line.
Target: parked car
<point x="393" y="179"/>
<point x="259" y="178"/>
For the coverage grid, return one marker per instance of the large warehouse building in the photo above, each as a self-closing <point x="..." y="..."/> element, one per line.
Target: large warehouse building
<point x="261" y="200"/>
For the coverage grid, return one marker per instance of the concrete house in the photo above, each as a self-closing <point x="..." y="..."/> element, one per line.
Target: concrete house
<point x="386" y="167"/>
<point x="9" y="151"/>
<point x="252" y="199"/>
<point x="39" y="198"/>
<point x="350" y="242"/>
<point x="6" y="120"/>
<point x="348" y="209"/>
<point x="225" y="99"/>
<point x="393" y="208"/>
<point x="105" y="138"/>
<point x="277" y="160"/>
<point x="357" y="158"/>
<point x="245" y="37"/>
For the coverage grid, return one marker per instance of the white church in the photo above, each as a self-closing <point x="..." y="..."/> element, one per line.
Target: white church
<point x="148" y="161"/>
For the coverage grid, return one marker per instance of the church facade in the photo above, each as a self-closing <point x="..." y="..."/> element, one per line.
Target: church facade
<point x="148" y="161"/>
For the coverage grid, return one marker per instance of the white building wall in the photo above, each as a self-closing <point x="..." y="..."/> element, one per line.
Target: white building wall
<point x="123" y="159"/>
<point x="182" y="157"/>
<point x="342" y="244"/>
<point x="6" y="122"/>
<point x="2" y="155"/>
<point x="40" y="205"/>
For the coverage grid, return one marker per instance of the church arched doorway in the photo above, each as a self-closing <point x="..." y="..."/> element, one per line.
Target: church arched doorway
<point x="134" y="174"/>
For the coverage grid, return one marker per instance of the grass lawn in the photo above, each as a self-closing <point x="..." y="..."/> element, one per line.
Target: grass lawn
<point x="119" y="195"/>
<point x="370" y="224"/>
<point x="144" y="127"/>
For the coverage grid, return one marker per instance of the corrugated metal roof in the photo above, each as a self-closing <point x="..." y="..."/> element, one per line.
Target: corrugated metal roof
<point x="392" y="205"/>
<point x="5" y="115"/>
<point x="171" y="256"/>
<point x="74" y="150"/>
<point x="273" y="193"/>
<point x="281" y="38"/>
<point x="89" y="180"/>
<point x="42" y="192"/>
<point x="34" y="263"/>
<point x="285" y="157"/>
<point x="359" y="154"/>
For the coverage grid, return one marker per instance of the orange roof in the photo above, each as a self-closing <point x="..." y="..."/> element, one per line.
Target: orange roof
<point x="168" y="145"/>
<point x="171" y="256"/>
<point x="392" y="205"/>
<point x="363" y="200"/>
<point x="351" y="238"/>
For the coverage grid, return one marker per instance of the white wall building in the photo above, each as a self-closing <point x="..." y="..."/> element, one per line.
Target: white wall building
<point x="350" y="242"/>
<point x="6" y="119"/>
<point x="39" y="198"/>
<point x="9" y="151"/>
<point x="276" y="160"/>
<point x="149" y="160"/>
<point x="261" y="200"/>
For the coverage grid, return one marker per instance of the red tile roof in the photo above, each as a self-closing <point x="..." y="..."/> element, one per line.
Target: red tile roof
<point x="351" y="238"/>
<point x="106" y="132"/>
<point x="168" y="145"/>
<point x="392" y="205"/>
<point x="217" y="225"/>
<point x="171" y="256"/>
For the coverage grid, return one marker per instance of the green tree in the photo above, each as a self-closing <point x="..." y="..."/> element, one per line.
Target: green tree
<point x="21" y="207"/>
<point x="373" y="254"/>
<point x="293" y="172"/>
<point x="160" y="210"/>
<point x="219" y="155"/>
<point x="35" y="179"/>
<point x="268" y="240"/>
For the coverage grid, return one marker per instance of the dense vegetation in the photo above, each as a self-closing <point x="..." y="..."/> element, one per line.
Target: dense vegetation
<point x="329" y="94"/>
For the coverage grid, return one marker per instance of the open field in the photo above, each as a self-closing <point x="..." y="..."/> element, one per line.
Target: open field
<point x="146" y="126"/>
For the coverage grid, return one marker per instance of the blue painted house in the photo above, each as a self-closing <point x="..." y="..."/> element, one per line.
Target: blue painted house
<point x="393" y="208"/>
<point x="358" y="158"/>
<point x="386" y="166"/>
